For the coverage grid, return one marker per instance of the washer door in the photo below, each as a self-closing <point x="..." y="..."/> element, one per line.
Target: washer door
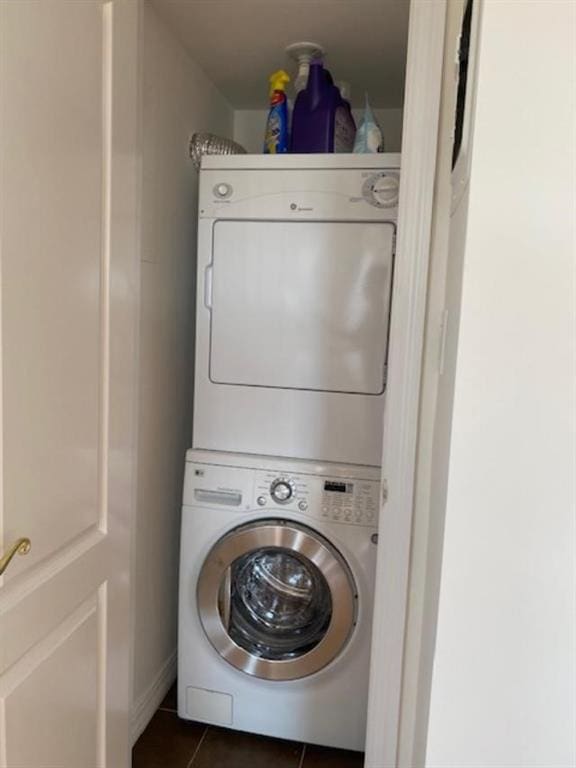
<point x="276" y="600"/>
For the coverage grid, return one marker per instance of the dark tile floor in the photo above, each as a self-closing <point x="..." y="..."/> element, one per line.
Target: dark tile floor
<point x="169" y="742"/>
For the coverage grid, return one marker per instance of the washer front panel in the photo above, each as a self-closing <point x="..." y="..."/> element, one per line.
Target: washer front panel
<point x="307" y="546"/>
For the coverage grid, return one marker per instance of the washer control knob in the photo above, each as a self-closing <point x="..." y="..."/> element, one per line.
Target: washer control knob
<point x="281" y="490"/>
<point x="261" y="501"/>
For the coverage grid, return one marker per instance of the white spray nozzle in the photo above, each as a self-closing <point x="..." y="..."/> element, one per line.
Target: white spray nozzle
<point x="304" y="53"/>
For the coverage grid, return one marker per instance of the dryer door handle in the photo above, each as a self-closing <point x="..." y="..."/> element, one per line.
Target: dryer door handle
<point x="208" y="286"/>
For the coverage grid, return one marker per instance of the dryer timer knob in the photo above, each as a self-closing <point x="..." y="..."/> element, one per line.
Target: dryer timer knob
<point x="281" y="490"/>
<point x="381" y="190"/>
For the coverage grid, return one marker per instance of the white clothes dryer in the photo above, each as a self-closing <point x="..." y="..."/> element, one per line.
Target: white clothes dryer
<point x="276" y="588"/>
<point x="295" y="274"/>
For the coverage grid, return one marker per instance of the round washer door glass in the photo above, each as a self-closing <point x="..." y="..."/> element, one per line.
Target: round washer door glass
<point x="276" y="600"/>
<point x="280" y="604"/>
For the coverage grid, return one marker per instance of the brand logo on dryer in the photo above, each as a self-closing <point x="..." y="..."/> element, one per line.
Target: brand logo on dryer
<point x="296" y="207"/>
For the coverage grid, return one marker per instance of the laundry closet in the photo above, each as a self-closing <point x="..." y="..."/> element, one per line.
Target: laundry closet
<point x="284" y="413"/>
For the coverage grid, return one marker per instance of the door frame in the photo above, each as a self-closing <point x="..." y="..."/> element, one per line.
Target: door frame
<point x="401" y="417"/>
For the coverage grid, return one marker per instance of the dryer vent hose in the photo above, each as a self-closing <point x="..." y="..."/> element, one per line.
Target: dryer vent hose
<point x="208" y="144"/>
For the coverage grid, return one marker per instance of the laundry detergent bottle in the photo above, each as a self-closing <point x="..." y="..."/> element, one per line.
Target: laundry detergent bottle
<point x="322" y="120"/>
<point x="276" y="138"/>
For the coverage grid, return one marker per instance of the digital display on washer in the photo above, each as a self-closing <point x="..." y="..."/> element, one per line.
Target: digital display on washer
<point x="330" y="485"/>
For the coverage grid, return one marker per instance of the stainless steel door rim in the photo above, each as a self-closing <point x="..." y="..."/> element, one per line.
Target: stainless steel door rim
<point x="309" y="546"/>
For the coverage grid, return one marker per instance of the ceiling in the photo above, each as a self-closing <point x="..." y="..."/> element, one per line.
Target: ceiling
<point x="239" y="43"/>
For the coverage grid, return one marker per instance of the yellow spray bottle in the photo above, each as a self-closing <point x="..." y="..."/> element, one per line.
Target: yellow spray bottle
<point x="276" y="138"/>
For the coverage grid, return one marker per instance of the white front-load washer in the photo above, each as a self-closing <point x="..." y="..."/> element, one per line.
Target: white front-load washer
<point x="276" y="588"/>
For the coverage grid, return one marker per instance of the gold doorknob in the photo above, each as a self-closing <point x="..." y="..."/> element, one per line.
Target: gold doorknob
<point x="21" y="546"/>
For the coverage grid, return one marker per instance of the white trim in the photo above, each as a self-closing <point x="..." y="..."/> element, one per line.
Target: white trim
<point x="138" y="10"/>
<point x="143" y="710"/>
<point x="420" y="130"/>
<point x="461" y="171"/>
<point x="290" y="162"/>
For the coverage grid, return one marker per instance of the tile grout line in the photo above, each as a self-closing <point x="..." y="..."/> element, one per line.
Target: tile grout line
<point x="301" y="763"/>
<point x="194" y="756"/>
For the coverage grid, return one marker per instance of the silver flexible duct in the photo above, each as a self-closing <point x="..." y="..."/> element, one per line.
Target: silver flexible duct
<point x="209" y="144"/>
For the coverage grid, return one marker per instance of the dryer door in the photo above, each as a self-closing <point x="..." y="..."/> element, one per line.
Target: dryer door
<point x="276" y="600"/>
<point x="301" y="304"/>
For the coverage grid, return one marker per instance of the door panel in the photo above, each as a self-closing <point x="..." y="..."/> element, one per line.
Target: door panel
<point x="66" y="665"/>
<point x="300" y="305"/>
<point x="68" y="295"/>
<point x="53" y="254"/>
<point x="48" y="599"/>
<point x="52" y="264"/>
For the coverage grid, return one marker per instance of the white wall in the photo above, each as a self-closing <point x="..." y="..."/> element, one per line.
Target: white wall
<point x="177" y="100"/>
<point x="503" y="688"/>
<point x="250" y="124"/>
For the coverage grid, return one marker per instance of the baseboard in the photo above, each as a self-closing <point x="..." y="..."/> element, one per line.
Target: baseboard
<point x="143" y="709"/>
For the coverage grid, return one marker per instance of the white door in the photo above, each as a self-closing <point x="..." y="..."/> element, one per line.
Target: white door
<point x="68" y="285"/>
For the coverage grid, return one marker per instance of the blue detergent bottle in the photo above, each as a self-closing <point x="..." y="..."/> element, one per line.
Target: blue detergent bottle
<point x="276" y="138"/>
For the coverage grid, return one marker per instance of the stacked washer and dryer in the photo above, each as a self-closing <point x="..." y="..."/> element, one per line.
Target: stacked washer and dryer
<point x="282" y="485"/>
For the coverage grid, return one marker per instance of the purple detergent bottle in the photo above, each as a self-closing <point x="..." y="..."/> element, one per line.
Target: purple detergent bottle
<point x="322" y="121"/>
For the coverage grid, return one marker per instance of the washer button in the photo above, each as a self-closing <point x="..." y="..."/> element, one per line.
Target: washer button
<point x="261" y="501"/>
<point x="302" y="506"/>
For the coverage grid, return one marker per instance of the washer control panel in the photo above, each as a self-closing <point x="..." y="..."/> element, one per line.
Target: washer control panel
<point x="350" y="501"/>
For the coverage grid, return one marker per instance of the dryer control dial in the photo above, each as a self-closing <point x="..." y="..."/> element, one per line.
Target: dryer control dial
<point x="381" y="190"/>
<point x="282" y="490"/>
